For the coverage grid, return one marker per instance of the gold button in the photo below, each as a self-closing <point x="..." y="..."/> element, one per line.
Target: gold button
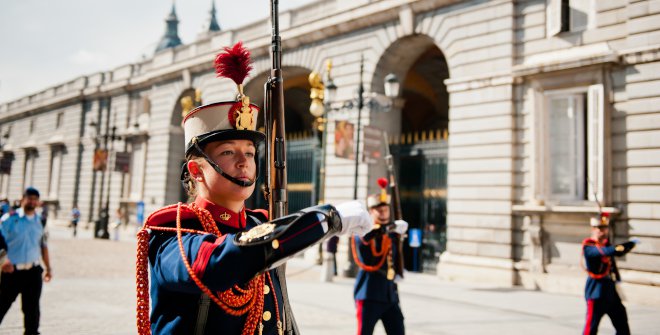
<point x="266" y="289"/>
<point x="275" y="244"/>
<point x="266" y="315"/>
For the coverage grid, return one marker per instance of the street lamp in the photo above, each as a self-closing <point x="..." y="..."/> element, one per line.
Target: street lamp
<point x="321" y="94"/>
<point x="391" y="86"/>
<point x="101" y="224"/>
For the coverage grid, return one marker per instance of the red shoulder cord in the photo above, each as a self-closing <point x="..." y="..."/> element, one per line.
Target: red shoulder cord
<point x="235" y="301"/>
<point x="382" y="253"/>
<point x="605" y="259"/>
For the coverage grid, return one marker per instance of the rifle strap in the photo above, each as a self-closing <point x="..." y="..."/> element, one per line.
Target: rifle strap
<point x="290" y="323"/>
<point x="202" y="314"/>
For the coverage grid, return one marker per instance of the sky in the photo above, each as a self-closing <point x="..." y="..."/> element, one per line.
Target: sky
<point x="45" y="43"/>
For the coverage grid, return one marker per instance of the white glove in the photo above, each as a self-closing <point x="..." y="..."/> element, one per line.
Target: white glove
<point x="354" y="218"/>
<point x="636" y="240"/>
<point x="400" y="227"/>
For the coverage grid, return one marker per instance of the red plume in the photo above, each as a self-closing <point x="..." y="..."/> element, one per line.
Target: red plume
<point x="605" y="214"/>
<point x="233" y="63"/>
<point x="382" y="182"/>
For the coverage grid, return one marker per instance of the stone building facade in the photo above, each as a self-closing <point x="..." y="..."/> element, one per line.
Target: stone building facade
<point x="551" y="106"/>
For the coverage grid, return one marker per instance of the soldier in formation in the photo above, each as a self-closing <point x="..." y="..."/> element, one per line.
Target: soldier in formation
<point x="213" y="262"/>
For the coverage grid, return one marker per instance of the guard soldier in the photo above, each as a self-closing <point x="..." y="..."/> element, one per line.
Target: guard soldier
<point x="600" y="290"/>
<point x="376" y="295"/>
<point x="212" y="262"/>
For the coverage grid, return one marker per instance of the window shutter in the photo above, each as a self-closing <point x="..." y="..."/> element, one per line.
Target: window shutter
<point x="55" y="172"/>
<point x="595" y="142"/>
<point x="553" y="17"/>
<point x="581" y="12"/>
<point x="137" y="169"/>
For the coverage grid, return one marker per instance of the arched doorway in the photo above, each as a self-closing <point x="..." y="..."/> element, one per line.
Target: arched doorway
<point x="302" y="147"/>
<point x="418" y="142"/>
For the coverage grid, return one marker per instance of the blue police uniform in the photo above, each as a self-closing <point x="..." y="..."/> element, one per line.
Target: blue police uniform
<point x="25" y="239"/>
<point x="376" y="296"/>
<point x="600" y="291"/>
<point x="220" y="263"/>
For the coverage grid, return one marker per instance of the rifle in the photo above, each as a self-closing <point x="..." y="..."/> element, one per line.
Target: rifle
<point x="275" y="181"/>
<point x="274" y="126"/>
<point x="612" y="233"/>
<point x="396" y="204"/>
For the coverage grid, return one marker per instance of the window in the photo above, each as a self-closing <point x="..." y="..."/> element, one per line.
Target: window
<point x="574" y="139"/>
<point x="566" y="146"/>
<point x="137" y="169"/>
<point x="569" y="15"/>
<point x="55" y="171"/>
<point x="31" y="126"/>
<point x="28" y="168"/>
<point x="5" y="173"/>
<point x="59" y="120"/>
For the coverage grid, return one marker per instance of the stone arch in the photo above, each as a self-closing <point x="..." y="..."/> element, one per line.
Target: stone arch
<point x="421" y="109"/>
<point x="298" y="122"/>
<point x="296" y="97"/>
<point x="422" y="69"/>
<point x="188" y="99"/>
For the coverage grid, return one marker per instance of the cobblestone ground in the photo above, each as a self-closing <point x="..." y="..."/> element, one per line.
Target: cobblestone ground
<point x="93" y="292"/>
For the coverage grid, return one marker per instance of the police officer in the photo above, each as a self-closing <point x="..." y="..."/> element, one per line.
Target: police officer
<point x="375" y="293"/>
<point x="22" y="272"/>
<point x="212" y="262"/>
<point x="600" y="291"/>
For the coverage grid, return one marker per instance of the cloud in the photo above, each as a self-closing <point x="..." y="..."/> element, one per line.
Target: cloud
<point x="86" y="57"/>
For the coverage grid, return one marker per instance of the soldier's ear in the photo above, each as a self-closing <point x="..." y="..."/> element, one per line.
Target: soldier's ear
<point x="194" y="170"/>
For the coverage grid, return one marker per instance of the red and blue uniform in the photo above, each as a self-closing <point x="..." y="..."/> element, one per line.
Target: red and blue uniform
<point x="600" y="291"/>
<point x="376" y="296"/>
<point x="221" y="264"/>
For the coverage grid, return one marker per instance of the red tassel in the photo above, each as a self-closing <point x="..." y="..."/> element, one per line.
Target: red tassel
<point x="382" y="182"/>
<point x="233" y="63"/>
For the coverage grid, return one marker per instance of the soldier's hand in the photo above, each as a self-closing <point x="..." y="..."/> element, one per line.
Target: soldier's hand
<point x="8" y="267"/>
<point x="354" y="218"/>
<point x="624" y="247"/>
<point x="400" y="227"/>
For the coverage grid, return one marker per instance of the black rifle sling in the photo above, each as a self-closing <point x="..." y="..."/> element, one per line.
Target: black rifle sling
<point x="202" y="314"/>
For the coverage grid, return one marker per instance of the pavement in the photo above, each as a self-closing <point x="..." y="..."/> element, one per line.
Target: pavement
<point x="93" y="292"/>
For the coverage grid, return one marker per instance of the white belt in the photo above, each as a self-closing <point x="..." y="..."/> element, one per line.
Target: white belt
<point x="25" y="266"/>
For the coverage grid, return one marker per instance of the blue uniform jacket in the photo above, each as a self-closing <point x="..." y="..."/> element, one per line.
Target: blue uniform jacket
<point x="218" y="262"/>
<point x="598" y="258"/>
<point x="374" y="286"/>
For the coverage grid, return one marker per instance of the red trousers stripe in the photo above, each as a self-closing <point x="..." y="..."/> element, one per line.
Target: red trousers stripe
<point x="590" y="315"/>
<point x="358" y="304"/>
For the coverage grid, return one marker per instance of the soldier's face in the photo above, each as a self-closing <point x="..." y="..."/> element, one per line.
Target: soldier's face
<point x="380" y="214"/>
<point x="600" y="233"/>
<point x="236" y="158"/>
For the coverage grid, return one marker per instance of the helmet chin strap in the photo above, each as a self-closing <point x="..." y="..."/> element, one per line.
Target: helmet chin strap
<point x="217" y="169"/>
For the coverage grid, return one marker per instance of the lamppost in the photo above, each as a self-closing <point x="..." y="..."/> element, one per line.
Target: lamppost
<point x="322" y="92"/>
<point x="391" y="87"/>
<point x="101" y="224"/>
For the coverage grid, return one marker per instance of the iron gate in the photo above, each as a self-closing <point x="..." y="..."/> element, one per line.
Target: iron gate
<point x="422" y="180"/>
<point x="302" y="157"/>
